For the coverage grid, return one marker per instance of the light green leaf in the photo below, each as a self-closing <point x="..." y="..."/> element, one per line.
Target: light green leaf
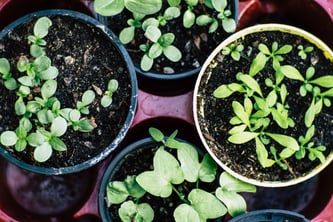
<point x="4" y="66"/>
<point x="242" y="137"/>
<point x="229" y="25"/>
<point x="189" y="161"/>
<point x="58" y="126"/>
<point x="160" y="187"/>
<point x="145" y="7"/>
<point x="106" y="101"/>
<point x="127" y="34"/>
<point x="20" y="145"/>
<point x="251" y="83"/>
<point x="11" y="84"/>
<point x="291" y="72"/>
<point x="49" y="88"/>
<point x="324" y="81"/>
<point x="42" y="26"/>
<point x="232" y="184"/>
<point x="172" y="53"/>
<point x="129" y="211"/>
<point x="207" y="169"/>
<point x="186" y="213"/>
<point x="219" y="5"/>
<point x="146" y="63"/>
<point x="286" y="141"/>
<point x="240" y="112"/>
<point x="234" y="202"/>
<point x="57" y="144"/>
<point x="155" y="51"/>
<point x="153" y="33"/>
<point x="36" y="139"/>
<point x="156" y="134"/>
<point x="108" y="7"/>
<point x="188" y="18"/>
<point x="88" y="97"/>
<point x="206" y="204"/>
<point x="258" y="64"/>
<point x="223" y="91"/>
<point x="286" y="153"/>
<point x="8" y="138"/>
<point x="263" y="154"/>
<point x="43" y="152"/>
<point x="237" y="129"/>
<point x="116" y="192"/>
<point x="50" y="73"/>
<point x="310" y="114"/>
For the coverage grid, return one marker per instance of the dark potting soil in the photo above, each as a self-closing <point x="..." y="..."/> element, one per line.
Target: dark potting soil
<point x="140" y="160"/>
<point x="217" y="112"/>
<point x="86" y="59"/>
<point x="194" y="43"/>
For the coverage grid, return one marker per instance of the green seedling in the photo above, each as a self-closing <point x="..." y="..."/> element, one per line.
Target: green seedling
<point x="303" y="51"/>
<point x="87" y="98"/>
<point x="161" y="44"/>
<point x="234" y="51"/>
<point x="9" y="82"/>
<point x="198" y="204"/>
<point x="112" y="88"/>
<point x="252" y="118"/>
<point x="223" y="17"/>
<point x="43" y="121"/>
<point x="149" y="13"/>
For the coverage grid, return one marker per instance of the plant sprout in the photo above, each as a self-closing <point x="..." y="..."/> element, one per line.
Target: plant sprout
<point x="112" y="88"/>
<point x="162" y="43"/>
<point x="198" y="204"/>
<point x="149" y="13"/>
<point x="304" y="50"/>
<point x="258" y="110"/>
<point x="234" y="51"/>
<point x="42" y="119"/>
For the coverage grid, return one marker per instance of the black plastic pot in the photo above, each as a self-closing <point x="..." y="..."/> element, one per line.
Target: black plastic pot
<point x="270" y="215"/>
<point x="168" y="84"/>
<point x="84" y="19"/>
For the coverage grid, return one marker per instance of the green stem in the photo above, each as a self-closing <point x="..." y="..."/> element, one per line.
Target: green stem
<point x="181" y="196"/>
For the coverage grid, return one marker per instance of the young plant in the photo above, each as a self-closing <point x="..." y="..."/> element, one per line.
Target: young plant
<point x="234" y="51"/>
<point x="112" y="88"/>
<point x="198" y="204"/>
<point x="162" y="44"/>
<point x="253" y="117"/>
<point x="43" y="121"/>
<point x="149" y="13"/>
<point x="303" y="51"/>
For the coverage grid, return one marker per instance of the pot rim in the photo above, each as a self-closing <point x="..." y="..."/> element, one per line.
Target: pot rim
<point x="240" y="34"/>
<point x="133" y="101"/>
<point x="270" y="215"/>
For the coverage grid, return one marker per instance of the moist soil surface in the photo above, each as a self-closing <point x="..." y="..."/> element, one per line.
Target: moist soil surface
<point x="195" y="43"/>
<point x="86" y="59"/>
<point x="215" y="114"/>
<point x="140" y="160"/>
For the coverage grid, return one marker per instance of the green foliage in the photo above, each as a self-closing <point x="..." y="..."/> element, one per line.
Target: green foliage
<point x="161" y="44"/>
<point x="112" y="88"/>
<point x="158" y="43"/>
<point x="258" y="111"/>
<point x="234" y="51"/>
<point x="43" y="121"/>
<point x="303" y="51"/>
<point x="170" y="169"/>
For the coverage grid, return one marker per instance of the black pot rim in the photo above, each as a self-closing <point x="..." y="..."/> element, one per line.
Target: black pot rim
<point x="270" y="215"/>
<point x="180" y="75"/>
<point x="133" y="103"/>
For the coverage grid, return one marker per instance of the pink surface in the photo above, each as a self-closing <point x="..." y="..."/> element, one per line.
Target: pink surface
<point x="151" y="106"/>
